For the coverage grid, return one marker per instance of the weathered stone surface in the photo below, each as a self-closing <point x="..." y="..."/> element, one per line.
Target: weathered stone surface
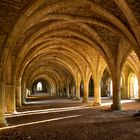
<point x="65" y="42"/>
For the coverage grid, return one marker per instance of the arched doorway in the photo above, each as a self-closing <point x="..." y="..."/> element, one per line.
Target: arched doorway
<point x="40" y="86"/>
<point x="133" y="86"/>
<point x="91" y="87"/>
<point x="110" y="88"/>
<point x="81" y="89"/>
<point x="106" y="84"/>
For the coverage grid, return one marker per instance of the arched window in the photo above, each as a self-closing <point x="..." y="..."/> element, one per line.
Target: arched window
<point x="111" y="89"/>
<point x="39" y="86"/>
<point x="133" y="86"/>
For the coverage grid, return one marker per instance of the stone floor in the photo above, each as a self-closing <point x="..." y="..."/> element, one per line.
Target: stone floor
<point x="65" y="119"/>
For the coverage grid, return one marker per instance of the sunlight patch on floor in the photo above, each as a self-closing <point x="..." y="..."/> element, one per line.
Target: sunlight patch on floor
<point x="44" y="111"/>
<point x="38" y="122"/>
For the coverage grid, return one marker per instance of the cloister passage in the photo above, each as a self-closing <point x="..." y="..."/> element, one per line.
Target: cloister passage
<point x="63" y="118"/>
<point x="77" y="50"/>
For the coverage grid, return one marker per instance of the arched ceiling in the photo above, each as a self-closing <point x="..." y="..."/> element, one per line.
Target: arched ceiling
<point x="133" y="62"/>
<point x="65" y="36"/>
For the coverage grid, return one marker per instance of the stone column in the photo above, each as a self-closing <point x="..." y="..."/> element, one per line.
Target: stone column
<point x="139" y="88"/>
<point x="72" y="91"/>
<point x="77" y="91"/>
<point x="18" y="93"/>
<point x="2" y="105"/>
<point x="26" y="93"/>
<point x="86" y="86"/>
<point x="61" y="92"/>
<point x="124" y="89"/>
<point x="116" y="93"/>
<point x="23" y="93"/>
<point x="10" y="99"/>
<point x="77" y="86"/>
<point x="53" y="91"/>
<point x="67" y="90"/>
<point x="56" y="91"/>
<point x="97" y="93"/>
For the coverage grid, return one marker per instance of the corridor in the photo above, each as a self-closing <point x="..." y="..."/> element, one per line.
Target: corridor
<point x="58" y="119"/>
<point x="70" y="69"/>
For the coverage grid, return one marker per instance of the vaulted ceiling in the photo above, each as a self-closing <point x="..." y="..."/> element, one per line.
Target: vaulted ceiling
<point x="61" y="37"/>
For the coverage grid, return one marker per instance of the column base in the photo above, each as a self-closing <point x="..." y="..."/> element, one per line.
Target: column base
<point x="3" y="123"/>
<point x="96" y="104"/>
<point x="68" y="97"/>
<point x="85" y="101"/>
<point x="11" y="112"/>
<point x="77" y="98"/>
<point x="116" y="107"/>
<point x="24" y="102"/>
<point x="18" y="105"/>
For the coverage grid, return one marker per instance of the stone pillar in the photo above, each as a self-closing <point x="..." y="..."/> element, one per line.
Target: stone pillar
<point x="18" y="93"/>
<point x="125" y="83"/>
<point x="52" y="91"/>
<point x="77" y="86"/>
<point x="67" y="90"/>
<point x="72" y="91"/>
<point x="139" y="88"/>
<point x="27" y="93"/>
<point x="124" y="90"/>
<point x="57" y="91"/>
<point x="23" y="93"/>
<point x="86" y="88"/>
<point x="10" y="99"/>
<point x="77" y="91"/>
<point x="116" y="93"/>
<point x="2" y="105"/>
<point x="97" y="93"/>
<point x="61" y="92"/>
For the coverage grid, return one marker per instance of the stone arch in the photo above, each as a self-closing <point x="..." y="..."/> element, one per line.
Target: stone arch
<point x="44" y="88"/>
<point x="105" y="83"/>
<point x="81" y="88"/>
<point x="91" y="86"/>
<point x="132" y="21"/>
<point x="100" y="10"/>
<point x="133" y="87"/>
<point x="41" y="23"/>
